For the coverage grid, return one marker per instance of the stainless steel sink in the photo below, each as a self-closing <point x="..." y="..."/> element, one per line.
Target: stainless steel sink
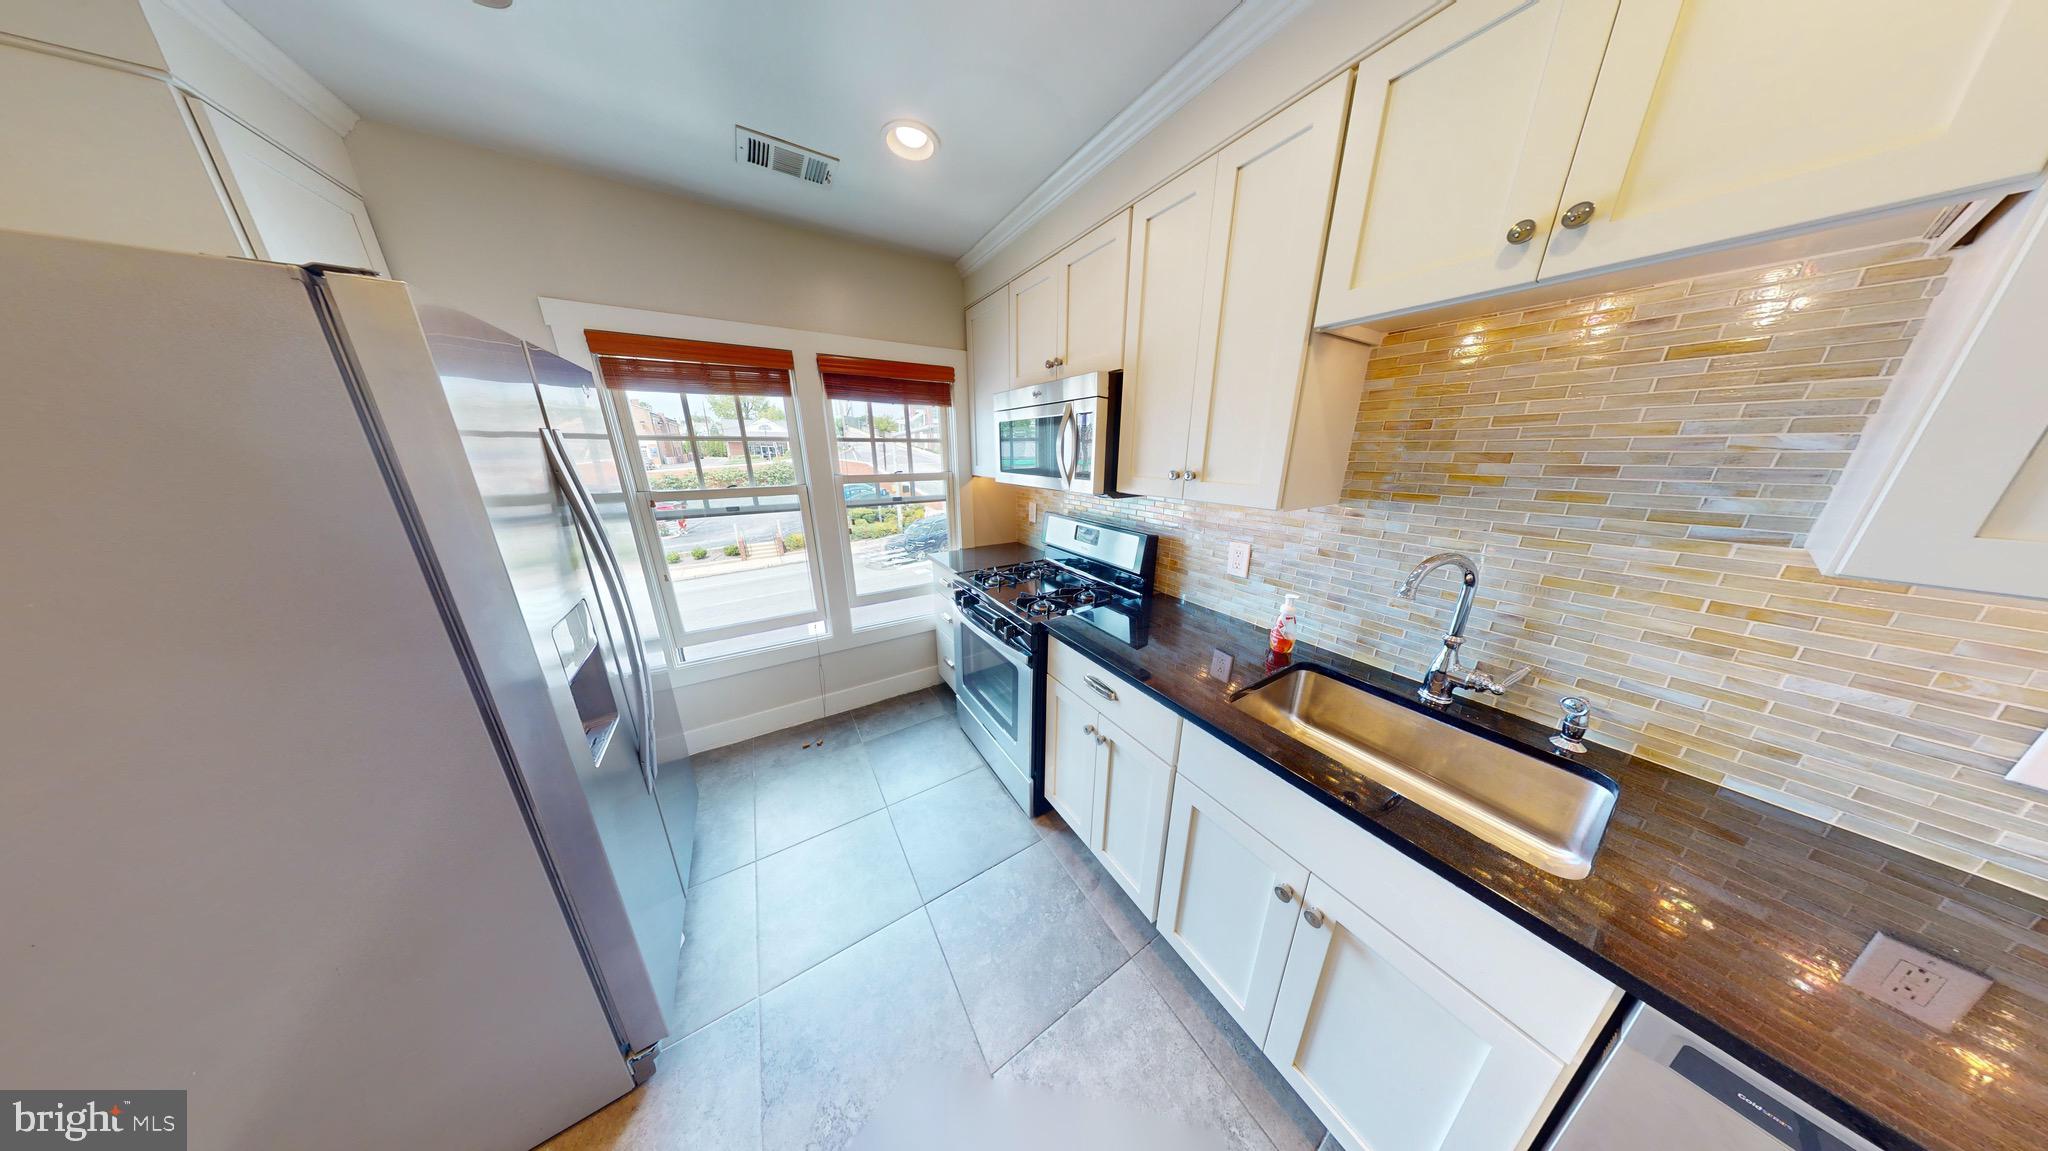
<point x="1537" y="810"/>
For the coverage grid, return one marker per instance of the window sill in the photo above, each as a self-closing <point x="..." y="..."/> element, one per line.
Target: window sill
<point x="704" y="671"/>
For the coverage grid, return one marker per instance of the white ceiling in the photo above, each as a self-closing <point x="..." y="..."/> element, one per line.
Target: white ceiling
<point x="651" y="89"/>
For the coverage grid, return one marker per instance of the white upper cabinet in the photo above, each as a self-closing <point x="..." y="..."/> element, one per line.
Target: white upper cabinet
<point x="104" y="154"/>
<point x="1720" y="119"/>
<point x="1508" y="142"/>
<point x="1950" y="484"/>
<point x="1390" y="1052"/>
<point x="988" y="372"/>
<point x="1266" y="427"/>
<point x="1034" y="300"/>
<point x="1067" y="314"/>
<point x="1460" y="135"/>
<point x="293" y="214"/>
<point x="1162" y="322"/>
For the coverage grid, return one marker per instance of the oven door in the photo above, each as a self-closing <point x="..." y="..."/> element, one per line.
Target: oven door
<point x="995" y="687"/>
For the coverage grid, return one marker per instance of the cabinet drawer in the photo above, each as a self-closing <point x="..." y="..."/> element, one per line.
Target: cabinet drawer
<point x="1143" y="718"/>
<point x="1550" y="996"/>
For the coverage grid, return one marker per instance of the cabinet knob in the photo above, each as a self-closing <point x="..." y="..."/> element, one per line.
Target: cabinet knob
<point x="1313" y="916"/>
<point x="1188" y="474"/>
<point x="1173" y="473"/>
<point x="1059" y="361"/>
<point x="1577" y="215"/>
<point x="1521" y="232"/>
<point x="1284" y="892"/>
<point x="1088" y="729"/>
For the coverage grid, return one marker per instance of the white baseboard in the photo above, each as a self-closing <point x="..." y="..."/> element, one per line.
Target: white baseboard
<point x="745" y="727"/>
<point x="846" y="699"/>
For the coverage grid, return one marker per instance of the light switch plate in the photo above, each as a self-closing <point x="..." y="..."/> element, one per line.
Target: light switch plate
<point x="1240" y="563"/>
<point x="1031" y="511"/>
<point x="1909" y="980"/>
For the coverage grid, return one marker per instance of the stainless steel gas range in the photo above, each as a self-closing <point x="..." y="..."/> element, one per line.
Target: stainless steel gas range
<point x="1096" y="571"/>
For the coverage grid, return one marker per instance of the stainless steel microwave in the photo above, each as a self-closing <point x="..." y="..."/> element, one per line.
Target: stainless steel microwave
<point x="1061" y="434"/>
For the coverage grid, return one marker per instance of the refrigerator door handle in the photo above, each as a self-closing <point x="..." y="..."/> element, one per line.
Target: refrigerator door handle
<point x="584" y="511"/>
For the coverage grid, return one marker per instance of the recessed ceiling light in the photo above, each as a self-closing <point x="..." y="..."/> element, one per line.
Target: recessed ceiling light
<point x="910" y="139"/>
<point x="494" y="3"/>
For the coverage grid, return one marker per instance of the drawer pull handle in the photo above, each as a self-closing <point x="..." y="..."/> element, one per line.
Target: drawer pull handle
<point x="1313" y="916"/>
<point x="1284" y="892"/>
<point x="949" y="663"/>
<point x="1100" y="688"/>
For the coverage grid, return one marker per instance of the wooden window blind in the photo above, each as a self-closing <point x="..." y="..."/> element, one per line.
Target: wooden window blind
<point x="886" y="381"/>
<point x="697" y="367"/>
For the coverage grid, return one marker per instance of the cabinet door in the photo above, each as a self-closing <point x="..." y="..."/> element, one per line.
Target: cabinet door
<point x="1070" y="747"/>
<point x="1133" y="790"/>
<point x="1719" y="119"/>
<point x="1458" y="131"/>
<point x="988" y="372"/>
<point x="1390" y="1052"/>
<point x="1226" y="904"/>
<point x="102" y="154"/>
<point x="1162" y="324"/>
<point x="1092" y="299"/>
<point x="294" y="214"/>
<point x="1272" y="202"/>
<point x="1035" y="307"/>
<point x="943" y="624"/>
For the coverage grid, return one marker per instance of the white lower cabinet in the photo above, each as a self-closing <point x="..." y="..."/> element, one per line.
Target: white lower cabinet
<point x="943" y="621"/>
<point x="1226" y="904"/>
<point x="1132" y="790"/>
<point x="1070" y="758"/>
<point x="1391" y="1053"/>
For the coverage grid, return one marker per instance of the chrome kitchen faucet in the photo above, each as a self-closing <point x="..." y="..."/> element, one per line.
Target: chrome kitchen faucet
<point x="1446" y="674"/>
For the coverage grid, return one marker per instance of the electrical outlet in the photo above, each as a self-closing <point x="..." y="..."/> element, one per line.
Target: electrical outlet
<point x="1907" y="979"/>
<point x="1240" y="563"/>
<point x="1031" y="511"/>
<point x="1911" y="983"/>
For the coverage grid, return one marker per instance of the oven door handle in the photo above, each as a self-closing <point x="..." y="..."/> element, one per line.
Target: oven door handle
<point x="1018" y="658"/>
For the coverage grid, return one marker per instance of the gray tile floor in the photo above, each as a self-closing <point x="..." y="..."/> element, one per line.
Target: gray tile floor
<point x="870" y="912"/>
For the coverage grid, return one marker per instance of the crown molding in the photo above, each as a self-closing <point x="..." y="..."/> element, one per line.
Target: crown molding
<point x="1232" y="39"/>
<point x="241" y="40"/>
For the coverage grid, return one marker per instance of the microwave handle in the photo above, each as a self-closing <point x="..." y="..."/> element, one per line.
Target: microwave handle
<point x="1070" y="459"/>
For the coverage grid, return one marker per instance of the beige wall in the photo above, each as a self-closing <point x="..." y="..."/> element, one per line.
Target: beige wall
<point x="490" y="232"/>
<point x="1323" y="40"/>
<point x="1636" y="472"/>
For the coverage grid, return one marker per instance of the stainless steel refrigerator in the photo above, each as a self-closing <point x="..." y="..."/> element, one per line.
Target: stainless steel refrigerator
<point x="333" y="788"/>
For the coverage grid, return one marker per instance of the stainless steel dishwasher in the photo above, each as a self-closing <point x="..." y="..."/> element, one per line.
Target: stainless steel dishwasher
<point x="1663" y="1087"/>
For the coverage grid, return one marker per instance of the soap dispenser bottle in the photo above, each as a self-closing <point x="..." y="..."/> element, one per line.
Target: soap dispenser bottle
<point x="1280" y="641"/>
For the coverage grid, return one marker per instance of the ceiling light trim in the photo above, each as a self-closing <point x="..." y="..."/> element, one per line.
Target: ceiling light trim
<point x="1233" y="38"/>
<point x="241" y="40"/>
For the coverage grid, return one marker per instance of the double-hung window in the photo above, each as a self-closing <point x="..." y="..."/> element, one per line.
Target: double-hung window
<point x="890" y="459"/>
<point x="718" y="483"/>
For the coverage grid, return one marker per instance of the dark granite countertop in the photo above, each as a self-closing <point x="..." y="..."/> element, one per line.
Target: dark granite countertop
<point x="1735" y="917"/>
<point x="987" y="556"/>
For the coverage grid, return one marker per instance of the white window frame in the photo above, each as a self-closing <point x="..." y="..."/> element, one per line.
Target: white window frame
<point x="817" y="456"/>
<point x="644" y="495"/>
<point x="841" y="479"/>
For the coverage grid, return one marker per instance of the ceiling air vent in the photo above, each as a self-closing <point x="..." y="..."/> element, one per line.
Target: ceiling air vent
<point x="765" y="151"/>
